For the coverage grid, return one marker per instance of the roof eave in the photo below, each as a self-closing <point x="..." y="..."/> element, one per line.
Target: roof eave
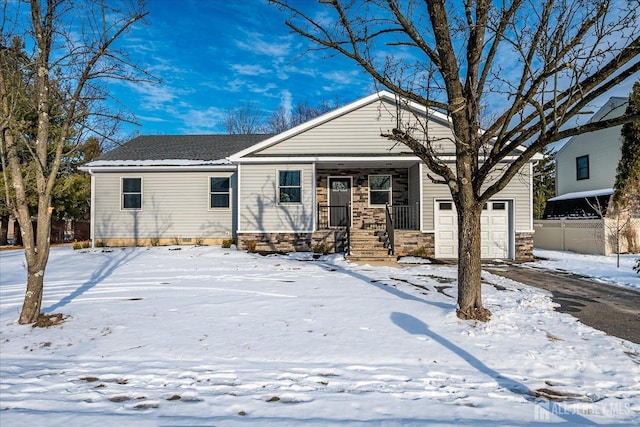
<point x="158" y="168"/>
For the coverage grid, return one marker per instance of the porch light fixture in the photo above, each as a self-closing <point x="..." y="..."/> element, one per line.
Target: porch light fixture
<point x="360" y="181"/>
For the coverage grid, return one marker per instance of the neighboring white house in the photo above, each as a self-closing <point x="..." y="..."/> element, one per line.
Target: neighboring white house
<point x="585" y="176"/>
<point x="333" y="183"/>
<point x="588" y="162"/>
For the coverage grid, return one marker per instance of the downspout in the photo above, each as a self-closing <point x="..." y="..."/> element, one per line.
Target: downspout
<point x="92" y="216"/>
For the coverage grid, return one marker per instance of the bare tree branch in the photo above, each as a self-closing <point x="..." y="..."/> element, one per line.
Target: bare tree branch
<point x="535" y="65"/>
<point x="63" y="77"/>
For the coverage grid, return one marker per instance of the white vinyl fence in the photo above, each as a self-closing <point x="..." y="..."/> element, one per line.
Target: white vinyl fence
<point x="584" y="236"/>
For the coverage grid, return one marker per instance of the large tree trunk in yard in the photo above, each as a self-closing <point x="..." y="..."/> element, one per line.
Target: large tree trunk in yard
<point x="33" y="296"/>
<point x="36" y="250"/>
<point x="469" y="266"/>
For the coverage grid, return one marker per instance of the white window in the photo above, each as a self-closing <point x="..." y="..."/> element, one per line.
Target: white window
<point x="132" y="193"/>
<point x="289" y="186"/>
<point x="379" y="189"/>
<point x="219" y="192"/>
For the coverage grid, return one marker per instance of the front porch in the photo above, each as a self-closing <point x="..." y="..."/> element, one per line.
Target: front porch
<point x="368" y="210"/>
<point x="397" y="236"/>
<point x="372" y="209"/>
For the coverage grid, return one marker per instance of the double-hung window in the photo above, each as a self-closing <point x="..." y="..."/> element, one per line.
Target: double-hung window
<point x="132" y="193"/>
<point x="289" y="186"/>
<point x="219" y="191"/>
<point x="379" y="189"/>
<point x="582" y="167"/>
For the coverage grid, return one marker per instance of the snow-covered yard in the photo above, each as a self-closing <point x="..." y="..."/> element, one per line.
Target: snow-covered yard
<point x="601" y="268"/>
<point x="208" y="336"/>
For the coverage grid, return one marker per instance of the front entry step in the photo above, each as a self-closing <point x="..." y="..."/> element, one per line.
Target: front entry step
<point x="372" y="253"/>
<point x="386" y="258"/>
<point x="368" y="245"/>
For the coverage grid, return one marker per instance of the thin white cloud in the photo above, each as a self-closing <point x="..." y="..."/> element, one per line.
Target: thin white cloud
<point x="287" y="103"/>
<point x="249" y="69"/>
<point x="256" y="88"/>
<point x="323" y="18"/>
<point x="286" y="71"/>
<point x="263" y="44"/>
<point x="235" y="85"/>
<point x="154" y="97"/>
<point x="196" y="121"/>
<point x="154" y="119"/>
<point x="339" y="77"/>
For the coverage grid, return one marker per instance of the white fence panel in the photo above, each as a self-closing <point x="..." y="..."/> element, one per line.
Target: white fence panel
<point x="585" y="236"/>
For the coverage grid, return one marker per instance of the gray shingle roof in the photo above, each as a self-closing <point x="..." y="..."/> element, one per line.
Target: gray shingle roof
<point x="182" y="147"/>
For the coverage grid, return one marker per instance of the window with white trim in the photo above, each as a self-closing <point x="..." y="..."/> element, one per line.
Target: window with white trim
<point x="219" y="192"/>
<point x="289" y="186"/>
<point x="379" y="189"/>
<point x="132" y="193"/>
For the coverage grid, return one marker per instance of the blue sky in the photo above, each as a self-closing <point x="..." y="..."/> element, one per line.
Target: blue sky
<point x="213" y="55"/>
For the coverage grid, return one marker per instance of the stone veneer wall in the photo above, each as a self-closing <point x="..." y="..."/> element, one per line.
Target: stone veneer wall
<point x="332" y="241"/>
<point x="407" y="241"/>
<point x="524" y="246"/>
<point x="365" y="216"/>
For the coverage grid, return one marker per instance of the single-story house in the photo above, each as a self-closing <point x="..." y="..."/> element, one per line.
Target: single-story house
<point x="332" y="184"/>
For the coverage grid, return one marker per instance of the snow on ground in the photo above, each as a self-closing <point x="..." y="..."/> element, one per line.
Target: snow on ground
<point x="601" y="268"/>
<point x="208" y="336"/>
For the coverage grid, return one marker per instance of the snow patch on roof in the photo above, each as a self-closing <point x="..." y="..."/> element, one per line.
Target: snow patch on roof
<point x="165" y="162"/>
<point x="583" y="194"/>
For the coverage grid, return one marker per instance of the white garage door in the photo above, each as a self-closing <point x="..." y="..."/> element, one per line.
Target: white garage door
<point x="494" y="232"/>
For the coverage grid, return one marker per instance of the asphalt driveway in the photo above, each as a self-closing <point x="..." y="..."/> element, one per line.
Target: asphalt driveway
<point x="611" y="309"/>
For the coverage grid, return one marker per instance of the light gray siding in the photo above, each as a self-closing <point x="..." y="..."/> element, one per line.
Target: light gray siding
<point x="174" y="205"/>
<point x="518" y="190"/>
<point x="358" y="132"/>
<point x="259" y="210"/>
<point x="430" y="192"/>
<point x="414" y="184"/>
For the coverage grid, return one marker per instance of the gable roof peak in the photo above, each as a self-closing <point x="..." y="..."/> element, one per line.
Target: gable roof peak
<point x="382" y="95"/>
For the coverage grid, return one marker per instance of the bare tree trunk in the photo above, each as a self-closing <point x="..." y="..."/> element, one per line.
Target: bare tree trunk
<point x="37" y="255"/>
<point x="4" y="229"/>
<point x="469" y="265"/>
<point x="17" y="233"/>
<point x="63" y="97"/>
<point x="33" y="295"/>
